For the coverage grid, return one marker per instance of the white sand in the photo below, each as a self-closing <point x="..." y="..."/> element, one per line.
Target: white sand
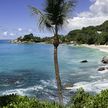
<point x="103" y="48"/>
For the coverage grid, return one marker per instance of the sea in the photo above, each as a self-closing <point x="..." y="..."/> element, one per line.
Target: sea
<point x="28" y="70"/>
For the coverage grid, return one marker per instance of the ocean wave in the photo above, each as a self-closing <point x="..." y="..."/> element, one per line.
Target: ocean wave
<point x="96" y="86"/>
<point x="51" y="83"/>
<point x="103" y="72"/>
<point x="95" y="76"/>
<point x="22" y="91"/>
<point x="45" y="90"/>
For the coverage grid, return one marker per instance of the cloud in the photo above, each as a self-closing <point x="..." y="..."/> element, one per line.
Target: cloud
<point x="97" y="14"/>
<point x="5" y="33"/>
<point x="12" y="34"/>
<point x="99" y="8"/>
<point x="19" y="29"/>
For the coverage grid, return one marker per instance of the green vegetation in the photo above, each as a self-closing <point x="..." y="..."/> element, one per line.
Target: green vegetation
<point x="87" y="35"/>
<point x="50" y="39"/>
<point x="90" y="35"/>
<point x="29" y="38"/>
<point x="15" y="101"/>
<point x="81" y="99"/>
<point x="97" y="35"/>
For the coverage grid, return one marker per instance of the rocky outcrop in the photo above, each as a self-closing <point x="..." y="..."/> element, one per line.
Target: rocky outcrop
<point x="68" y="86"/>
<point x="102" y="69"/>
<point x="105" y="60"/>
<point x="15" y="41"/>
<point x="84" y="61"/>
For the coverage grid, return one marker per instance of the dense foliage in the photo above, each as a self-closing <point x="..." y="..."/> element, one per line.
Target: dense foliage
<point x="87" y="35"/>
<point x="81" y="99"/>
<point x="90" y="35"/>
<point x="15" y="101"/>
<point x="29" y="38"/>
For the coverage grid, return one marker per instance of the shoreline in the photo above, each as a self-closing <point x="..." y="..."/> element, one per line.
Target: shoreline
<point x="103" y="48"/>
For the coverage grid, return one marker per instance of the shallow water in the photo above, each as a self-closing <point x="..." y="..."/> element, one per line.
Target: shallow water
<point x="28" y="69"/>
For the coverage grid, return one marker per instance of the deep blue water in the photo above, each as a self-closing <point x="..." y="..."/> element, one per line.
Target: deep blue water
<point x="28" y="69"/>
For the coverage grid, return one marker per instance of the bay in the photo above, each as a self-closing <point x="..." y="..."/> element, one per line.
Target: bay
<point x="28" y="69"/>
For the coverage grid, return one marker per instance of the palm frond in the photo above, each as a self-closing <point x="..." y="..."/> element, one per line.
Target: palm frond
<point x="44" y="21"/>
<point x="54" y="13"/>
<point x="35" y="11"/>
<point x="43" y="18"/>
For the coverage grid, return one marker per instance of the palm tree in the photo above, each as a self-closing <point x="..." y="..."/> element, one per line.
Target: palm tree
<point x="53" y="17"/>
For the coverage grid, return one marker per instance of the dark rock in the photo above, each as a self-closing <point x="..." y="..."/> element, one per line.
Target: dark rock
<point x="105" y="60"/>
<point x="68" y="85"/>
<point x="84" y="61"/>
<point x="101" y="69"/>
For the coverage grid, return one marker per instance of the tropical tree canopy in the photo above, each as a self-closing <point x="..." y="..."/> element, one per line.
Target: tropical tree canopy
<point x="54" y="13"/>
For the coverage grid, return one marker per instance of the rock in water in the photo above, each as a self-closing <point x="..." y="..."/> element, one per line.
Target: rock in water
<point x="84" y="61"/>
<point x="105" y="60"/>
<point x="68" y="86"/>
<point x="101" y="69"/>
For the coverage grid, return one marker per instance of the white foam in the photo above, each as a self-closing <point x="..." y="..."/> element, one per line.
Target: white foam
<point x="95" y="76"/>
<point x="45" y="83"/>
<point x="15" y="91"/>
<point x="48" y="83"/>
<point x="90" y="86"/>
<point x="103" y="50"/>
<point x="103" y="72"/>
<point x="17" y="82"/>
<point x="22" y="91"/>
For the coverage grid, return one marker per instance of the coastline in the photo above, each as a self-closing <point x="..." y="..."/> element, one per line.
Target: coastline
<point x="103" y="48"/>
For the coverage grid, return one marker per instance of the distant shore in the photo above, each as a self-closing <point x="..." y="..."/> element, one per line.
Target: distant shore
<point x="103" y="48"/>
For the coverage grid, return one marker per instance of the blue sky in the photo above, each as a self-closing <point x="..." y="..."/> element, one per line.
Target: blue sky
<point x="16" y="18"/>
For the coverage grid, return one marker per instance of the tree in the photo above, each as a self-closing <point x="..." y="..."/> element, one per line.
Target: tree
<point x="53" y="17"/>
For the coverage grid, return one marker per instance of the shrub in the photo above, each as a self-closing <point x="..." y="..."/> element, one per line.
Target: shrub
<point x="83" y="99"/>
<point x="15" y="101"/>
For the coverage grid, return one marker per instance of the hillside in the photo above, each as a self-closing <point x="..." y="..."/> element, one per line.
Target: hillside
<point x="29" y="38"/>
<point x="90" y="35"/>
<point x="87" y="35"/>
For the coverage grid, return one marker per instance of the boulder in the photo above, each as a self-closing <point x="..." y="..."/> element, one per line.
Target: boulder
<point x="105" y="60"/>
<point x="84" y="61"/>
<point x="101" y="69"/>
<point x="68" y="86"/>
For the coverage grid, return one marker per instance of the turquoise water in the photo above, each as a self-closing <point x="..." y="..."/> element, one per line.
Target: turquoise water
<point x="28" y="69"/>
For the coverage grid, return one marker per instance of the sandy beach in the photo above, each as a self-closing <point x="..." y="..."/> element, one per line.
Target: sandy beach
<point x="103" y="48"/>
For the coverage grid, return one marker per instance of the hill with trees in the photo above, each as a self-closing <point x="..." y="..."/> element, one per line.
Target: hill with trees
<point x="90" y="35"/>
<point x="29" y="38"/>
<point x="97" y="35"/>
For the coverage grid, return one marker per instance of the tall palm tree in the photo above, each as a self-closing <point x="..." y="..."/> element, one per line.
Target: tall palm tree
<point x="53" y="17"/>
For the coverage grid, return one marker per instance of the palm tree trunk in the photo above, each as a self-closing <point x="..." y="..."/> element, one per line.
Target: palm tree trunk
<point x="58" y="81"/>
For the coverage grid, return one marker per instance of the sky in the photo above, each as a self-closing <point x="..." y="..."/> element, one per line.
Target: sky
<point x="16" y="18"/>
